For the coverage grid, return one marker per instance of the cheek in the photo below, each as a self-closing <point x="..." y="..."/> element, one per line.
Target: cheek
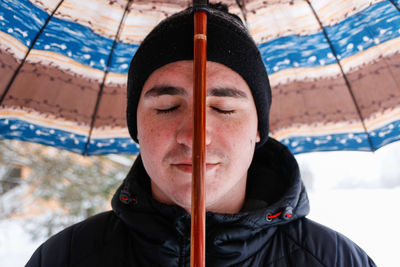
<point x="237" y="134"/>
<point x="237" y="140"/>
<point x="153" y="135"/>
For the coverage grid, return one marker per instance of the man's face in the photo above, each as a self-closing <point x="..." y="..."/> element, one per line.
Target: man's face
<point x="165" y="134"/>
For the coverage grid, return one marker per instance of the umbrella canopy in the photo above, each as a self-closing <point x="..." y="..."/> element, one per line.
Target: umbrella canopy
<point x="334" y="68"/>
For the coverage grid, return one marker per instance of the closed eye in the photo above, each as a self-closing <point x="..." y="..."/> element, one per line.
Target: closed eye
<point x="223" y="111"/>
<point x="168" y="110"/>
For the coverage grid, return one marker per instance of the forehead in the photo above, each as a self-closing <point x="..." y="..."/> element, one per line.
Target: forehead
<point x="179" y="74"/>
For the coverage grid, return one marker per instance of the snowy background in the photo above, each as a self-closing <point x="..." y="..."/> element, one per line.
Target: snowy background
<point x="355" y="193"/>
<point x="358" y="194"/>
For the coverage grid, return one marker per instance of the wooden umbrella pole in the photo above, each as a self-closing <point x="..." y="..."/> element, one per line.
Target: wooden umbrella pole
<point x="197" y="251"/>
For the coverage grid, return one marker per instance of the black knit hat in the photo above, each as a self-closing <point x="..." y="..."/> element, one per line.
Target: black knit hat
<point x="228" y="43"/>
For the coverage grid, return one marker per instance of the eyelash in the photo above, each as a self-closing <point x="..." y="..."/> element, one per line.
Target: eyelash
<point x="227" y="112"/>
<point x="168" y="110"/>
<point x="165" y="111"/>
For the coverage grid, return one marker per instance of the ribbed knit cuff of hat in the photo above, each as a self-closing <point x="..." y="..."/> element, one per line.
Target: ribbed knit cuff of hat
<point x="228" y="43"/>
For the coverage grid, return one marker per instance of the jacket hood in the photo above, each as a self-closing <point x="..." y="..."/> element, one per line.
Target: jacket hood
<point x="275" y="195"/>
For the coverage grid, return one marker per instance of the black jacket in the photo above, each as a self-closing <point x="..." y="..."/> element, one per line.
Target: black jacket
<point x="271" y="229"/>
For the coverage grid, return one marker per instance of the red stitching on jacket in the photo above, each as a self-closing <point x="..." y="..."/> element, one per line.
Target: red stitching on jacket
<point x="269" y="217"/>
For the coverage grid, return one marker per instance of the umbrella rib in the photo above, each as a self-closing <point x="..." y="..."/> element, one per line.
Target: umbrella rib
<point x="96" y="108"/>
<point x="397" y="7"/>
<point x="27" y="53"/>
<point x="242" y="6"/>
<point x="343" y="74"/>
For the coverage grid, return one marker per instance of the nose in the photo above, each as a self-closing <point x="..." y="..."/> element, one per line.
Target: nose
<point x="185" y="132"/>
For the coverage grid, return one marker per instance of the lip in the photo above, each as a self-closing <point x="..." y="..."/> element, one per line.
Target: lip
<point x="187" y="167"/>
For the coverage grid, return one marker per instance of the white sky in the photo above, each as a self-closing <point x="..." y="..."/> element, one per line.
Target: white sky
<point x="362" y="169"/>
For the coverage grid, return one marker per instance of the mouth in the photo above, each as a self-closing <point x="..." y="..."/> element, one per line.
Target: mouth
<point x="188" y="168"/>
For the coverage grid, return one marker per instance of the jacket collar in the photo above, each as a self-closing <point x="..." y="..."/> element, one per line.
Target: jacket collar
<point x="275" y="195"/>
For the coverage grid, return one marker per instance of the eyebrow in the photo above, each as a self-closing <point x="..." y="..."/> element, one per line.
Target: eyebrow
<point x="226" y="92"/>
<point x="165" y="90"/>
<point x="172" y="90"/>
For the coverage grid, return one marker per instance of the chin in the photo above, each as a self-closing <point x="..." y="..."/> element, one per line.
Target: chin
<point x="184" y="198"/>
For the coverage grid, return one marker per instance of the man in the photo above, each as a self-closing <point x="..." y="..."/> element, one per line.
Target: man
<point x="256" y="203"/>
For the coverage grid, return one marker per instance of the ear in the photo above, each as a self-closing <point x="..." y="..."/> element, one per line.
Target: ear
<point x="258" y="138"/>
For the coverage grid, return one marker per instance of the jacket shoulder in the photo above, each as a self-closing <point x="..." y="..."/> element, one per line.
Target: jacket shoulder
<point x="327" y="246"/>
<point x="79" y="243"/>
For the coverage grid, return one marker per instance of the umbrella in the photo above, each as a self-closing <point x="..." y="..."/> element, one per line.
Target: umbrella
<point x="334" y="68"/>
